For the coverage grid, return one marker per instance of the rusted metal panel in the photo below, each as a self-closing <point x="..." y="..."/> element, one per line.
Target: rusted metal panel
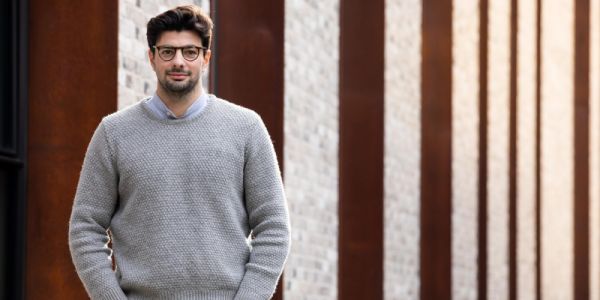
<point x="247" y="66"/>
<point x="582" y="151"/>
<point x="512" y="155"/>
<point x="482" y="240"/>
<point x="72" y="85"/>
<point x="538" y="151"/>
<point x="361" y="144"/>
<point x="436" y="151"/>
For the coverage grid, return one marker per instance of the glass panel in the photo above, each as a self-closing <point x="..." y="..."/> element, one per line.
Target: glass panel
<point x="4" y="198"/>
<point x="8" y="181"/>
<point x="7" y="99"/>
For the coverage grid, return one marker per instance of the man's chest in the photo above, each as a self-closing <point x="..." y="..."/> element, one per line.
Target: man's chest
<point x="188" y="159"/>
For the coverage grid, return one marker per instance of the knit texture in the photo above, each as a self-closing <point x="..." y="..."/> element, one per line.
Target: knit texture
<point x="180" y="198"/>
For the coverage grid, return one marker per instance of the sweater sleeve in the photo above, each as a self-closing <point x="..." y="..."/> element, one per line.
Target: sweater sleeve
<point x="267" y="216"/>
<point x="93" y="207"/>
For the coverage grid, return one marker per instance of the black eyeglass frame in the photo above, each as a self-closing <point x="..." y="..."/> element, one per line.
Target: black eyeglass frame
<point x="200" y="50"/>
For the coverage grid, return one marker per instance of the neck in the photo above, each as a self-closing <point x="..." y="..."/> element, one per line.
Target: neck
<point x="177" y="103"/>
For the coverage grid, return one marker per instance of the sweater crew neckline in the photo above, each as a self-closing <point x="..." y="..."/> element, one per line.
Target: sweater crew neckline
<point x="151" y="115"/>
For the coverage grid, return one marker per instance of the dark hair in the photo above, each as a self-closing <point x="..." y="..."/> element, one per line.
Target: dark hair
<point x="188" y="17"/>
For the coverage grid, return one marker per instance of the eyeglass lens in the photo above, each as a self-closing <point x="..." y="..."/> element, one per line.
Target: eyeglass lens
<point x="189" y="53"/>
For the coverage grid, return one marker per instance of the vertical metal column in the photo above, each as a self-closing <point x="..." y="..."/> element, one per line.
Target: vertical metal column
<point x="361" y="175"/>
<point x="482" y="240"/>
<point x="72" y="85"/>
<point x="513" y="135"/>
<point x="436" y="151"/>
<point x="582" y="151"/>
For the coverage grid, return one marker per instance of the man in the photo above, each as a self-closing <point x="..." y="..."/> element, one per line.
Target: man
<point x="187" y="183"/>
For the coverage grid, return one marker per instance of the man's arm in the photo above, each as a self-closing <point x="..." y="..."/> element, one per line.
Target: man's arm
<point x="267" y="216"/>
<point x="93" y="208"/>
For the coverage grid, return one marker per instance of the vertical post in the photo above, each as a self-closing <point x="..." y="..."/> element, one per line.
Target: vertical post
<point x="538" y="151"/>
<point x="72" y="85"/>
<point x="436" y="150"/>
<point x="512" y="156"/>
<point x="582" y="142"/>
<point x="361" y="112"/>
<point x="483" y="149"/>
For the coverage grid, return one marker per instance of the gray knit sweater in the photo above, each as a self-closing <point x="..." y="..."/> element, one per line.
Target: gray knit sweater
<point x="180" y="198"/>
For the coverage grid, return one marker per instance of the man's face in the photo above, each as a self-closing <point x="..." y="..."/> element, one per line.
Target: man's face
<point x="178" y="75"/>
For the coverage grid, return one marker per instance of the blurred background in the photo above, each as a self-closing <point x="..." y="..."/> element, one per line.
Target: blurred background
<point x="431" y="149"/>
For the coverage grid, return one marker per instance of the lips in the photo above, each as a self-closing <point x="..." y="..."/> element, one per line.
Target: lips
<point x="177" y="75"/>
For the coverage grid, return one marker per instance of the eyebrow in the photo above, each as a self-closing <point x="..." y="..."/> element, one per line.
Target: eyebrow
<point x="184" y="46"/>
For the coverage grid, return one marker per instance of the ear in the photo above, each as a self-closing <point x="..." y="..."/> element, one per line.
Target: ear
<point x="151" y="58"/>
<point x="207" y="56"/>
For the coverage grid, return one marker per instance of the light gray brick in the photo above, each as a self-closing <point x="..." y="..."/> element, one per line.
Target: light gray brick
<point x="402" y="149"/>
<point x="311" y="147"/>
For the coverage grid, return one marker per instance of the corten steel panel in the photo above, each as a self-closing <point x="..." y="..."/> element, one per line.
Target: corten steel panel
<point x="248" y="59"/>
<point x="436" y="151"/>
<point x="72" y="84"/>
<point x="247" y="64"/>
<point x="538" y="151"/>
<point x="361" y="111"/>
<point x="582" y="143"/>
<point x="483" y="149"/>
<point x="512" y="155"/>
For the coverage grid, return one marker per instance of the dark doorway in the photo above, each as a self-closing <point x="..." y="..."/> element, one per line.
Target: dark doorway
<point x="12" y="148"/>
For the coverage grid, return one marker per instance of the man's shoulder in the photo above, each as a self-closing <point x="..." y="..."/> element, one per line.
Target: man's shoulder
<point x="128" y="113"/>
<point x="235" y="111"/>
<point x="128" y="117"/>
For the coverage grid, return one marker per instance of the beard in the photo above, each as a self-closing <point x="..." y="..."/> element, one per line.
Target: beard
<point x="179" y="88"/>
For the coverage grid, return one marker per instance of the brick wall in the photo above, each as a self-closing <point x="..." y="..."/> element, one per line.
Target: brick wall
<point x="465" y="148"/>
<point x="497" y="154"/>
<point x="557" y="113"/>
<point x="526" y="142"/>
<point x="311" y="147"/>
<point x="402" y="149"/>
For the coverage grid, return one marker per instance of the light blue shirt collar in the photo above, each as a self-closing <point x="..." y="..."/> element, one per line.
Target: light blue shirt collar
<point x="161" y="110"/>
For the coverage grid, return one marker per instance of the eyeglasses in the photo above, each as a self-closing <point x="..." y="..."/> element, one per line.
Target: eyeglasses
<point x="190" y="53"/>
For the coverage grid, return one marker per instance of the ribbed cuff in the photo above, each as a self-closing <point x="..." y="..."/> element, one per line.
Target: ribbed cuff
<point x="112" y="294"/>
<point x="249" y="295"/>
<point x="188" y="295"/>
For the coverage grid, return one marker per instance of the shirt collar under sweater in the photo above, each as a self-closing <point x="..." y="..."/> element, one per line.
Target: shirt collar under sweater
<point x="158" y="107"/>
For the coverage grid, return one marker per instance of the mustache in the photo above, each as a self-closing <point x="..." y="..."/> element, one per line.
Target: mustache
<point x="179" y="71"/>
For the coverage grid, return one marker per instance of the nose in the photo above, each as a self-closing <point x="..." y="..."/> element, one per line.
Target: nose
<point x="178" y="60"/>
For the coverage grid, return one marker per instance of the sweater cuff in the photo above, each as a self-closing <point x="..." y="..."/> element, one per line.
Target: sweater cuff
<point x="249" y="295"/>
<point x="112" y="294"/>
